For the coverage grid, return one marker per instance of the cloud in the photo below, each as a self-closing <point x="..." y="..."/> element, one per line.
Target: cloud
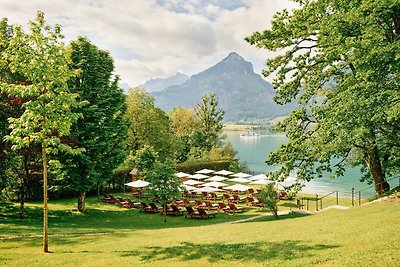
<point x="157" y="38"/>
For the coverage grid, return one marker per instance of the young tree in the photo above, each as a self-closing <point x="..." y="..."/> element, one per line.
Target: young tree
<point x="102" y="130"/>
<point x="210" y="117"/>
<point x="340" y="63"/>
<point x="42" y="59"/>
<point x="164" y="184"/>
<point x="269" y="198"/>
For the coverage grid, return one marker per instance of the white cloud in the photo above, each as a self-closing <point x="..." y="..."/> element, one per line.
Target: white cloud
<point x="149" y="40"/>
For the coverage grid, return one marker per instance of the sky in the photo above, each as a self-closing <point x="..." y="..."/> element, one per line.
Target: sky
<point x="157" y="38"/>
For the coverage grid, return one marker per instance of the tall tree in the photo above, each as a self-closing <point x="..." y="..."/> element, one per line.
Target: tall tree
<point x="42" y="59"/>
<point x="149" y="125"/>
<point x="209" y="133"/>
<point x="102" y="130"/>
<point x="341" y="63"/>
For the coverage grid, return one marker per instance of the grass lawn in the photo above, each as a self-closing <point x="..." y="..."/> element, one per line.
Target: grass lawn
<point x="360" y="236"/>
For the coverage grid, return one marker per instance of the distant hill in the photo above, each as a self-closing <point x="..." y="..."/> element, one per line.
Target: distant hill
<point x="243" y="94"/>
<point x="158" y="84"/>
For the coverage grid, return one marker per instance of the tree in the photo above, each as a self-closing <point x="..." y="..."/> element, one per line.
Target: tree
<point x="42" y="59"/>
<point x="149" y="125"/>
<point x="210" y="117"/>
<point x="269" y="198"/>
<point x="340" y="64"/>
<point x="164" y="184"/>
<point x="102" y="129"/>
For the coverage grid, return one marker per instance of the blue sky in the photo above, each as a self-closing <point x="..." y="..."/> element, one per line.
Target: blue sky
<point x="157" y="38"/>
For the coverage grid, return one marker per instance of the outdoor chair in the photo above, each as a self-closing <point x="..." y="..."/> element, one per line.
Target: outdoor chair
<point x="145" y="208"/>
<point x="214" y="196"/>
<point x="226" y="197"/>
<point x="190" y="213"/>
<point x="223" y="207"/>
<point x="234" y="209"/>
<point x="127" y="204"/>
<point x="253" y="202"/>
<point x="155" y="208"/>
<point x="250" y="191"/>
<point x="174" y="211"/>
<point x="106" y="197"/>
<point x="199" y="204"/>
<point x="210" y="206"/>
<point x="202" y="213"/>
<point x="283" y="195"/>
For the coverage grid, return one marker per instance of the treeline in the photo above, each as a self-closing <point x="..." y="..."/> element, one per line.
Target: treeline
<point x="65" y="120"/>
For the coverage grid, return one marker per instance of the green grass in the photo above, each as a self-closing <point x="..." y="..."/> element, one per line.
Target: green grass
<point x="360" y="236"/>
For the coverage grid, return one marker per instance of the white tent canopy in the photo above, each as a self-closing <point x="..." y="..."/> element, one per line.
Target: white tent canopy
<point x="192" y="182"/>
<point x="258" y="177"/>
<point x="239" y="180"/>
<point x="205" y="171"/>
<point x="198" y="176"/>
<point x="214" y="184"/>
<point x="207" y="189"/>
<point x="262" y="182"/>
<point x="137" y="184"/>
<point x="182" y="174"/>
<point x="189" y="188"/>
<point x="238" y="187"/>
<point x="216" y="178"/>
<point x="241" y="175"/>
<point x="223" y="172"/>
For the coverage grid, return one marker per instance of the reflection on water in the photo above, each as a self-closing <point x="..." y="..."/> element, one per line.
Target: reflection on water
<point x="254" y="151"/>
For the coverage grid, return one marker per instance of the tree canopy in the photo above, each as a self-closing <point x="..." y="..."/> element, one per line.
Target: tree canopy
<point x="340" y="62"/>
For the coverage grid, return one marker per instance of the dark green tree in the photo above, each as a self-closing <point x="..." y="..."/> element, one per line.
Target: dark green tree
<point x="102" y="129"/>
<point x="340" y="63"/>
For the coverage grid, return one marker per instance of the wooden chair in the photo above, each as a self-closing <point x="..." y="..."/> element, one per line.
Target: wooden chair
<point x="202" y="213"/>
<point x="234" y="209"/>
<point x="253" y="202"/>
<point x="209" y="206"/>
<point x="174" y="211"/>
<point x="190" y="213"/>
<point x="199" y="204"/>
<point x="223" y="207"/>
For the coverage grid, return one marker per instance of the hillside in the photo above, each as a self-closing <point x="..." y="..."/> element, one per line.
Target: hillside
<point x="159" y="84"/>
<point x="243" y="94"/>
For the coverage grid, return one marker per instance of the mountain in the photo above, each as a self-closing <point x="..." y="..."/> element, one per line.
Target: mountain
<point x="243" y="94"/>
<point x="158" y="84"/>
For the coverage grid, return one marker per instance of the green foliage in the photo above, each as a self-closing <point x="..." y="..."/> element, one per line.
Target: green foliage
<point x="149" y="125"/>
<point x="145" y="159"/>
<point x="339" y="62"/>
<point x="269" y="198"/>
<point x="102" y="130"/>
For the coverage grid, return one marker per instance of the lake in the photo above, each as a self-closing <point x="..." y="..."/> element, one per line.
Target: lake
<point x="254" y="151"/>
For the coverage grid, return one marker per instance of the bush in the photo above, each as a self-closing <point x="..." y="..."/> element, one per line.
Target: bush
<point x="269" y="198"/>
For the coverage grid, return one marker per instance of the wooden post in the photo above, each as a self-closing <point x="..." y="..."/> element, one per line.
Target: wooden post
<point x="352" y="196"/>
<point x="316" y="202"/>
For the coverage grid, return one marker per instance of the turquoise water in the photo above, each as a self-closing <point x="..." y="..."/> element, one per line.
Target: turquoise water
<point x="254" y="151"/>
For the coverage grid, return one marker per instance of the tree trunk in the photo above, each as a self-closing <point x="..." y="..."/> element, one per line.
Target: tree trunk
<point x="375" y="168"/>
<point x="45" y="213"/>
<point x="81" y="202"/>
<point x="165" y="212"/>
<point x="22" y="207"/>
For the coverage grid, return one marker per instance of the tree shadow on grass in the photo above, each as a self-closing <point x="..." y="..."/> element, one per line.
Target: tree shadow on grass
<point x="256" y="251"/>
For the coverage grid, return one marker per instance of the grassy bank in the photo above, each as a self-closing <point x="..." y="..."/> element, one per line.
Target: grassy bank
<point x="360" y="236"/>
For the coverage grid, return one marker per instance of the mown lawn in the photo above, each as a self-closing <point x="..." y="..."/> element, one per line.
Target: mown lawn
<point x="360" y="236"/>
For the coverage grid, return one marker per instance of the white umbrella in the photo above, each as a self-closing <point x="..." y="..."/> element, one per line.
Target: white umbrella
<point x="216" y="178"/>
<point x="191" y="182"/>
<point x="262" y="182"/>
<point x="258" y="177"/>
<point x="198" y="176"/>
<point x="214" y="184"/>
<point x="223" y="172"/>
<point x="182" y="174"/>
<point x="205" y="171"/>
<point x="138" y="184"/>
<point x="207" y="189"/>
<point x="238" y="187"/>
<point x="241" y="175"/>
<point x="239" y="180"/>
<point x="189" y="188"/>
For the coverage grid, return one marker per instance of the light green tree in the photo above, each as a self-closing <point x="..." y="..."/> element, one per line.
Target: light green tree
<point x="42" y="59"/>
<point x="339" y="60"/>
<point x="269" y="198"/>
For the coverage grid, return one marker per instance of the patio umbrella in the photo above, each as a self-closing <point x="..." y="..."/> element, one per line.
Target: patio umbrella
<point x="239" y="180"/>
<point x="241" y="175"/>
<point x="216" y="178"/>
<point x="214" y="184"/>
<point x="182" y="174"/>
<point x="192" y="182"/>
<point x="205" y="171"/>
<point x="198" y="176"/>
<point x="223" y="172"/>
<point x="262" y="182"/>
<point x="238" y="187"/>
<point x="258" y="177"/>
<point x="137" y="184"/>
<point x="189" y="188"/>
<point x="207" y="189"/>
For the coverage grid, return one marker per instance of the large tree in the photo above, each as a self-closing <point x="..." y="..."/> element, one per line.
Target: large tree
<point x="41" y="58"/>
<point x="102" y="129"/>
<point x="340" y="61"/>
